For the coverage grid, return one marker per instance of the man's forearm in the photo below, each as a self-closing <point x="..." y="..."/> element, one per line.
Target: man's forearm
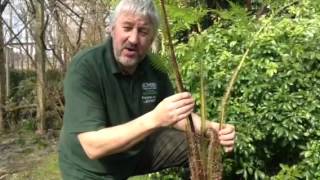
<point x="116" y="139"/>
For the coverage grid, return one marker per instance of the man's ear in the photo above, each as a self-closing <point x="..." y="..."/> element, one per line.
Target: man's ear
<point x="112" y="31"/>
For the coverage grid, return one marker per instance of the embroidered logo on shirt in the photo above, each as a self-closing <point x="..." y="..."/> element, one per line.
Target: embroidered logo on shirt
<point x="149" y="92"/>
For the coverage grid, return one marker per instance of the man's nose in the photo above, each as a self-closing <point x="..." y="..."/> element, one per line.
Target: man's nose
<point x="133" y="38"/>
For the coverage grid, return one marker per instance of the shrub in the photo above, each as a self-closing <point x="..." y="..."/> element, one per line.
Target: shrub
<point x="275" y="102"/>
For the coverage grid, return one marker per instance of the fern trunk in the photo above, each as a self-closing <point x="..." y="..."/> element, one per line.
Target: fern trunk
<point x="197" y="151"/>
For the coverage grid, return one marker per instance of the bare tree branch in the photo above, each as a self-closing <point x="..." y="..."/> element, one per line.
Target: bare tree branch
<point x="65" y="5"/>
<point x="3" y="5"/>
<point x="11" y="108"/>
<point x="79" y="33"/>
<point x="20" y="17"/>
<point x="16" y="35"/>
<point x="42" y="35"/>
<point x="63" y="31"/>
<point x="31" y="7"/>
<point x="10" y="29"/>
<point x="66" y="37"/>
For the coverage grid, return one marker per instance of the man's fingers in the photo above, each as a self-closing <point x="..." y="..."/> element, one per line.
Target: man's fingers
<point x="185" y="115"/>
<point x="227" y="129"/>
<point x="184" y="109"/>
<point x="179" y="96"/>
<point x="227" y="142"/>
<point x="183" y="103"/>
<point x="228" y="149"/>
<point x="227" y="137"/>
<point x="182" y="113"/>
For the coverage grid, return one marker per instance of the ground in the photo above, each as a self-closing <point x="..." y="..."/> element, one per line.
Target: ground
<point x="24" y="155"/>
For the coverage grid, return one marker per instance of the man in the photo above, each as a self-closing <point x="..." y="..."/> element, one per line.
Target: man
<point x="121" y="118"/>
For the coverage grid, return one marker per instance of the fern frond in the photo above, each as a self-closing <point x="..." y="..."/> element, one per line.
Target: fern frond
<point x="224" y="102"/>
<point x="202" y="100"/>
<point x="159" y="62"/>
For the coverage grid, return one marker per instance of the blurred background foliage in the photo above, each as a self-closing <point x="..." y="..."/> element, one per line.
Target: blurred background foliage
<point x="275" y="104"/>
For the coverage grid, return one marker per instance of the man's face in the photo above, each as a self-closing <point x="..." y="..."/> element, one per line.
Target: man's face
<point x="132" y="37"/>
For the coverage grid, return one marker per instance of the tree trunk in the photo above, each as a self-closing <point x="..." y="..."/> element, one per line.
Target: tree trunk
<point x="3" y="5"/>
<point x="40" y="56"/>
<point x="2" y="80"/>
<point x="7" y="51"/>
<point x="248" y="5"/>
<point x="27" y="47"/>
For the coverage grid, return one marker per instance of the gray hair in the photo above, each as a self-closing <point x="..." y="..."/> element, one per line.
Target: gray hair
<point x="140" y="7"/>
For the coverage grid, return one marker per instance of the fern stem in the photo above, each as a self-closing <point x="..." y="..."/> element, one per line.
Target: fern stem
<point x="224" y="102"/>
<point x="174" y="63"/>
<point x="194" y="156"/>
<point x="202" y="100"/>
<point x="171" y="48"/>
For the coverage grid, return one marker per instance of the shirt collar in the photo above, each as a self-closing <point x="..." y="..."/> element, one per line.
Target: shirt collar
<point x="111" y="61"/>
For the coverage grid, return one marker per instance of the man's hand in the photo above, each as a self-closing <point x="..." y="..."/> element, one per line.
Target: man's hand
<point x="173" y="109"/>
<point x="226" y="135"/>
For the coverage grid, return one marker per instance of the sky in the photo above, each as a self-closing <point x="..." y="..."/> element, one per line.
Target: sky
<point x="17" y="24"/>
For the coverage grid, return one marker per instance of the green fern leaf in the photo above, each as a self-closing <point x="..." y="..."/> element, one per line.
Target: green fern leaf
<point x="159" y="63"/>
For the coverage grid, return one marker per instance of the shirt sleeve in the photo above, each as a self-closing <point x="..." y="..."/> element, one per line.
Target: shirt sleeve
<point x="84" y="109"/>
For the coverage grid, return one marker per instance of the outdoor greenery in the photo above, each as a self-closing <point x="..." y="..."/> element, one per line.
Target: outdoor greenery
<point x="23" y="93"/>
<point x="274" y="104"/>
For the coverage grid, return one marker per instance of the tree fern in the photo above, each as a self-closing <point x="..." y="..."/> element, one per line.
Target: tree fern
<point x="160" y="63"/>
<point x="198" y="144"/>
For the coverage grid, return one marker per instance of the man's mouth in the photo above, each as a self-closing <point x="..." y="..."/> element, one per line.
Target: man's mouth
<point x="130" y="51"/>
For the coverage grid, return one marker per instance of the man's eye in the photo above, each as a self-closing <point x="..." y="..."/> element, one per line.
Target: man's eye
<point x="144" y="32"/>
<point x="127" y="28"/>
